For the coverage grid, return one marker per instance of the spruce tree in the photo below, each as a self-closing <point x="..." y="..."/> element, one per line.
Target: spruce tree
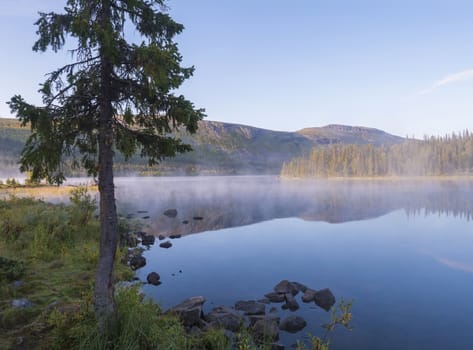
<point x="117" y="95"/>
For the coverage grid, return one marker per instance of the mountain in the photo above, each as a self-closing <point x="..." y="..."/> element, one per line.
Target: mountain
<point x="223" y="148"/>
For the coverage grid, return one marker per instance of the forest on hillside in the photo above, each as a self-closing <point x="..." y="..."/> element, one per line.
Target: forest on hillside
<point x="433" y="156"/>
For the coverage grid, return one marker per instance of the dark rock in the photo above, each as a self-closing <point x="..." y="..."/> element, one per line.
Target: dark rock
<point x="291" y="302"/>
<point x="285" y="287"/>
<point x="161" y="237"/>
<point x="148" y="240"/>
<point x="266" y="329"/>
<point x="145" y="217"/>
<point x="225" y="317"/>
<point x="198" y="218"/>
<point x="251" y="307"/>
<point x="301" y="287"/>
<point x="264" y="301"/>
<point x="292" y="324"/>
<point x="170" y="213"/>
<point x="137" y="261"/>
<point x="166" y="245"/>
<point x="22" y="303"/>
<point x="189" y="311"/>
<point x="277" y="346"/>
<point x="185" y="222"/>
<point x="142" y="211"/>
<point x="275" y="297"/>
<point x="325" y="299"/>
<point x="174" y="236"/>
<point x="153" y="278"/>
<point x="309" y="295"/>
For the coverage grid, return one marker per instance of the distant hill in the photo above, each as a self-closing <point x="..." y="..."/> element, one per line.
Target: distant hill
<point x="223" y="148"/>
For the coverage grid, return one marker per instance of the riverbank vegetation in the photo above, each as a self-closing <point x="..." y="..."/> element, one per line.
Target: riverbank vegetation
<point x="434" y="156"/>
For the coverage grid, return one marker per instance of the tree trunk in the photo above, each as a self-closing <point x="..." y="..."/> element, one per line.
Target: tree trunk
<point x="104" y="302"/>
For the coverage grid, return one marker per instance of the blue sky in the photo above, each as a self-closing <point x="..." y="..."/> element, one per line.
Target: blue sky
<point x="402" y="66"/>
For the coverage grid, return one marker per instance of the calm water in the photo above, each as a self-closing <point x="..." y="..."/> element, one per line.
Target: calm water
<point x="401" y="251"/>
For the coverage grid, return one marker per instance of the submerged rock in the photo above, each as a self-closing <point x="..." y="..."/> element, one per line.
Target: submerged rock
<point x="170" y="213"/>
<point x="154" y="278"/>
<point x="251" y="307"/>
<point x="224" y="317"/>
<point x="166" y="245"/>
<point x="266" y="329"/>
<point x="185" y="222"/>
<point x="325" y="299"/>
<point x="189" y="311"/>
<point x="198" y="218"/>
<point x="292" y="324"/>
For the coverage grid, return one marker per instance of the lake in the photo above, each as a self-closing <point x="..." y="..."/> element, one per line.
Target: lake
<point x="401" y="250"/>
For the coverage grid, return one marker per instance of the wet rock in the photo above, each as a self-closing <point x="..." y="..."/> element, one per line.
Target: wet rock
<point x="154" y="278"/>
<point x="170" y="213"/>
<point x="189" y="311"/>
<point x="285" y="287"/>
<point x="250" y="307"/>
<point x="266" y="329"/>
<point x="301" y="287"/>
<point x="137" y="261"/>
<point x="174" y="236"/>
<point x="309" y="295"/>
<point x="224" y="317"/>
<point x="198" y="218"/>
<point x="22" y="303"/>
<point x="142" y="211"/>
<point x="275" y="297"/>
<point x="145" y="217"/>
<point x="325" y="299"/>
<point x="185" y="222"/>
<point x="161" y="237"/>
<point x="292" y="324"/>
<point x="291" y="302"/>
<point x="166" y="245"/>
<point x="148" y="239"/>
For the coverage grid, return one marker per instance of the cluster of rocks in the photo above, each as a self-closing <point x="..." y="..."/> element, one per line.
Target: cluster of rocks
<point x="264" y="327"/>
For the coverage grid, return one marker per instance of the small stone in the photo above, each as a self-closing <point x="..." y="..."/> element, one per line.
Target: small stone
<point x="291" y="302"/>
<point x="190" y="311"/>
<point x="174" y="236"/>
<point x="225" y="317"/>
<point x="161" y="237"/>
<point x="147" y="239"/>
<point x="185" y="222"/>
<point x="166" y="245"/>
<point x="198" y="218"/>
<point x="137" y="261"/>
<point x="285" y="286"/>
<point x="309" y="295"/>
<point x="275" y="297"/>
<point x="325" y="299"/>
<point x="266" y="329"/>
<point x="154" y="278"/>
<point x="145" y="217"/>
<point x="170" y="213"/>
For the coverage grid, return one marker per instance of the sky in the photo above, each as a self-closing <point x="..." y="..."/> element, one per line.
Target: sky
<point x="403" y="66"/>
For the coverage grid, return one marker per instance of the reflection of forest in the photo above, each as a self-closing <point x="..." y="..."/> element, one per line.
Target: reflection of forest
<point x="224" y="204"/>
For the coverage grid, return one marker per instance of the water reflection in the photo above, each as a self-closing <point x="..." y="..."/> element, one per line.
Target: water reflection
<point x="225" y="202"/>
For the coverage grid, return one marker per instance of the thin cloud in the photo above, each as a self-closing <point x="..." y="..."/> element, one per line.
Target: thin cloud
<point x="449" y="79"/>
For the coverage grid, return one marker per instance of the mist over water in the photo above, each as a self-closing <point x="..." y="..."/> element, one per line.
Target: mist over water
<point x="400" y="249"/>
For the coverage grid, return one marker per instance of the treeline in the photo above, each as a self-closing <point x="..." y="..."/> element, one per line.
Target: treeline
<point x="434" y="156"/>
